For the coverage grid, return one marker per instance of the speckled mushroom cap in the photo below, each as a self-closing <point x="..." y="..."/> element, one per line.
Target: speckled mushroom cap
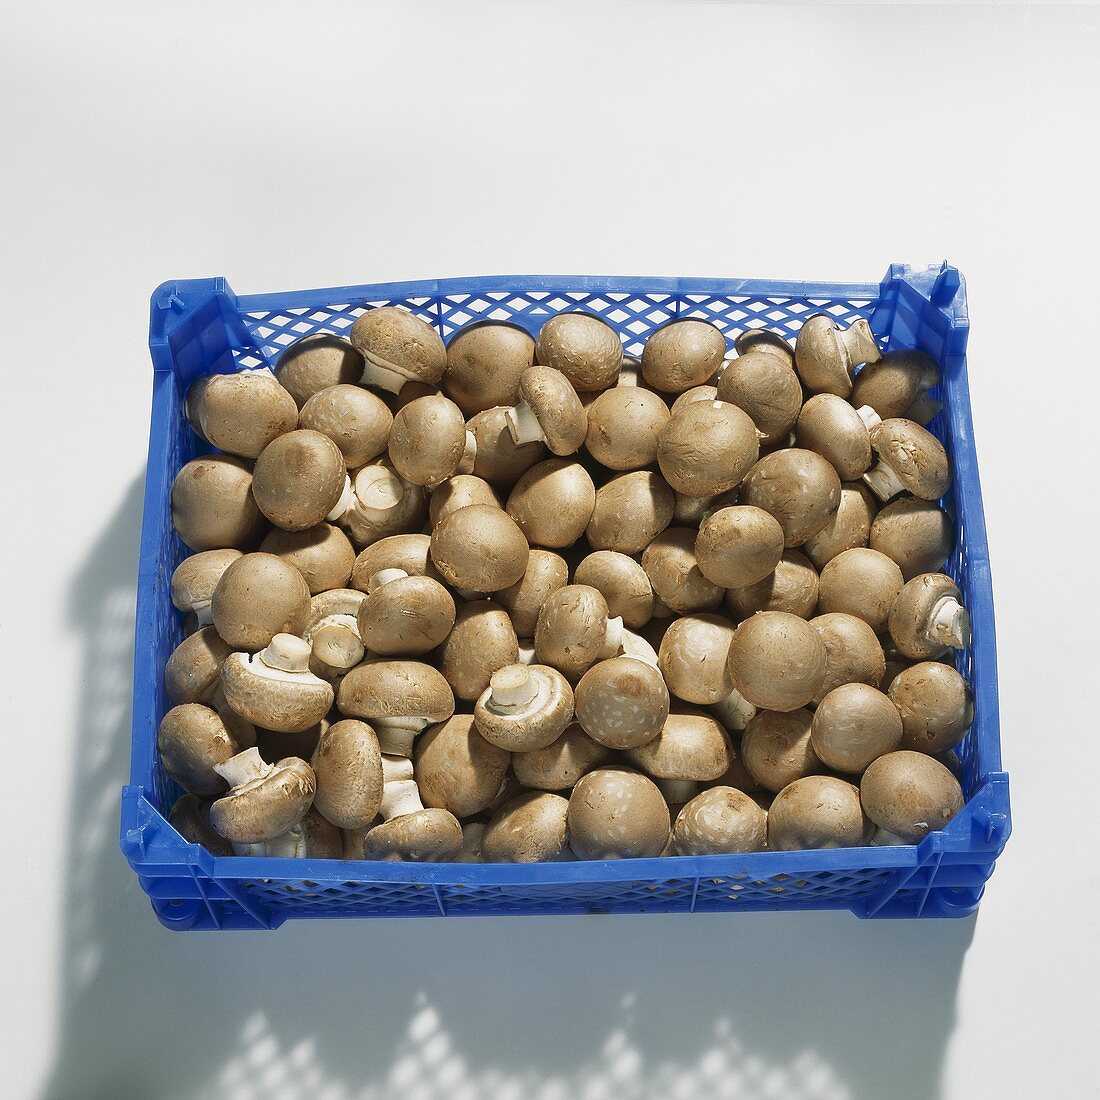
<point x="891" y="385"/>
<point x="673" y="571"/>
<point x="264" y="800"/>
<point x="916" y="533"/>
<point x="792" y="587"/>
<point x="195" y="578"/>
<point x="826" y="354"/>
<point x="720" y="820"/>
<point x="798" y="487"/>
<point x="191" y="739"/>
<point x="777" y="661"/>
<point x="707" y="448"/>
<point x="484" y="365"/>
<point x="259" y="596"/>
<point x="427" y="836"/>
<point x="696" y="393"/>
<point x="624" y="425"/>
<point x="410" y="553"/>
<point x="584" y="348"/>
<point x="427" y="440"/>
<point x="558" y="766"/>
<point x="481" y="641"/>
<point x="405" y="616"/>
<point x="456" y="768"/>
<point x="457" y="492"/>
<point x="690" y="746"/>
<point x="191" y="672"/>
<point x="546" y="572"/>
<point x="314" y="837"/>
<point x="355" y="419"/>
<point x="380" y="689"/>
<point x="242" y="413"/>
<point x="622" y="702"/>
<point x="549" y="409"/>
<point x="935" y="704"/>
<point x="682" y="354"/>
<point x="928" y="618"/>
<point x="617" y="813"/>
<point x="692" y="658"/>
<point x="816" y="812"/>
<point x="397" y="347"/>
<point x="190" y="817"/>
<point x="498" y="459"/>
<point x="212" y="504"/>
<point x="529" y="829"/>
<point x="776" y="748"/>
<point x="322" y="554"/>
<point x="853" y="725"/>
<point x="574" y="630"/>
<point x="298" y="479"/>
<point x="830" y="426"/>
<point x="762" y="381"/>
<point x="524" y="708"/>
<point x="631" y="510"/>
<point x="847" y="528"/>
<point x="738" y="545"/>
<point x="274" y="688"/>
<point x="910" y="795"/>
<point x="623" y="584"/>
<point x="853" y="653"/>
<point x="910" y="458"/>
<point x="480" y="549"/>
<point x="863" y="583"/>
<point x="553" y="502"/>
<point x="317" y="362"/>
<point x="379" y="503"/>
<point x="347" y="764"/>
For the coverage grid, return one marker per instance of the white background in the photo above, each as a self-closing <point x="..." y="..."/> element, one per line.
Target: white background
<point x="293" y="145"/>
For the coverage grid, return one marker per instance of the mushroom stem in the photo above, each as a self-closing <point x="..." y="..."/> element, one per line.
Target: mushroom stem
<point x="400" y="794"/>
<point x="396" y="735"/>
<point x="859" y="343"/>
<point x="469" y="454"/>
<point x="336" y="641"/>
<point x="526" y="655"/>
<point x="523" y="425"/>
<point x="734" y="712"/>
<point x="378" y="490"/>
<point x="244" y="768"/>
<point x="950" y="623"/>
<point x="869" y="417"/>
<point x="382" y="373"/>
<point x="612" y="637"/>
<point x="512" y="686"/>
<point x="677" y="791"/>
<point x="634" y="645"/>
<point x="884" y="482"/>
<point x="286" y="653"/>
<point x="384" y="576"/>
<point x="344" y="504"/>
<point x="202" y="612"/>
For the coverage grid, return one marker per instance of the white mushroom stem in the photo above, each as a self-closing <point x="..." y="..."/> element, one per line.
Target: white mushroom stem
<point x="202" y="612"/>
<point x="859" y="343"/>
<point x="634" y="645"/>
<point x="336" y="641"/>
<point x="612" y="638"/>
<point x="345" y="503"/>
<point x="244" y="768"/>
<point x="384" y="576"/>
<point x="469" y="454"/>
<point x="523" y="425"/>
<point x="526" y="655"/>
<point x="382" y="373"/>
<point x="400" y="794"/>
<point x="884" y="481"/>
<point x="869" y="417"/>
<point x="735" y="712"/>
<point x="286" y="653"/>
<point x="950" y="623"/>
<point x="512" y="687"/>
<point x="396" y="735"/>
<point x="378" y="491"/>
<point x="677" y="791"/>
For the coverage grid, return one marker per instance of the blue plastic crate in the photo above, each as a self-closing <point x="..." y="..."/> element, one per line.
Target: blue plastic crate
<point x="199" y="326"/>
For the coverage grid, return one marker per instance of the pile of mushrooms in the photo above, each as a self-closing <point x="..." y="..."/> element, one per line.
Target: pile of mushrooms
<point x="519" y="600"/>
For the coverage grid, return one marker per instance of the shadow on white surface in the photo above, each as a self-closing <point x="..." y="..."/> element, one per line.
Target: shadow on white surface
<point x="817" y="1006"/>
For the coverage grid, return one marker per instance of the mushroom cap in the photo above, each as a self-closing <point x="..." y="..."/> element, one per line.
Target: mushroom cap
<point x="191" y="739"/>
<point x="853" y="725"/>
<point x="287" y="702"/>
<point x="333" y="601"/>
<point x="546" y="572"/>
<point x="624" y="424"/>
<point x="739" y="546"/>
<point x="777" y="661"/>
<point x="762" y="382"/>
<point x="830" y="426"/>
<point x="776" y="748"/>
<point x="532" y="724"/>
<point x="266" y="807"/>
<point x="847" y="528"/>
<point x="707" y="447"/>
<point x="688" y="747"/>
<point x="585" y="349"/>
<point x="195" y="578"/>
<point x="427" y="440"/>
<point x="670" y="563"/>
<point x="396" y="339"/>
<point x="529" y="829"/>
<point x="553" y="502"/>
<point x="622" y="582"/>
<point x="915" y="455"/>
<point x="191" y="672"/>
<point x="792" y="587"/>
<point x="411" y="553"/>
<point x="317" y="362"/>
<point x="410" y="391"/>
<point x="863" y="583"/>
<point x="212" y="504"/>
<point x="322" y="554"/>
<point x="909" y="794"/>
<point x="935" y="704"/>
<point x="380" y="689"/>
<point x="720" y="820"/>
<point x="298" y="479"/>
<point x="482" y="640"/>
<point x="259" y="596"/>
<point x="484" y="365"/>
<point x="406" y="617"/>
<point x="818" y="811"/>
<point x="823" y="357"/>
<point x="696" y="393"/>
<point x="622" y="702"/>
<point x="314" y="837"/>
<point x="556" y="406"/>
<point x="765" y="340"/>
<point x="242" y="413"/>
<point x="559" y="765"/>
<point x="457" y="492"/>
<point x="910" y="619"/>
<point x="427" y="836"/>
<point x="798" y="487"/>
<point x="892" y="384"/>
<point x="384" y="504"/>
<point x="499" y="459"/>
<point x="738" y="776"/>
<point x="189" y="817"/>
<point x="631" y="510"/>
<point x="571" y="632"/>
<point x="692" y="658"/>
<point x="682" y="354"/>
<point x="853" y="654"/>
<point x="456" y="768"/>
<point x="617" y="813"/>
<point x="916" y="533"/>
<point x="348" y="767"/>
<point x="479" y="548"/>
<point x="355" y="419"/>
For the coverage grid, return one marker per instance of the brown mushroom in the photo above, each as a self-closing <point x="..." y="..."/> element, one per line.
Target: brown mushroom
<point x="546" y="572"/>
<point x="317" y="362"/>
<point x="682" y="354"/>
<point x="776" y="748"/>
<point x="427" y="440"/>
<point x="459" y="492"/>
<point x="827" y="354"/>
<point x="631" y="510"/>
<point x="692" y="658"/>
<point x="333" y="630"/>
<point x="529" y="829"/>
<point x="738" y="546"/>
<point x="559" y="765"/>
<point x="935" y="704"/>
<point x="670" y="563"/>
<point x="762" y="381"/>
<point x="852" y="652"/>
<point x="264" y="800"/>
<point x="617" y="813"/>
<point x="584" y="348"/>
<point x="397" y="348"/>
<point x="622" y="702"/>
<point x="190" y="817"/>
<point x="409" y="831"/>
<point x="928" y="618"/>
<point x="355" y="419"/>
<point x="404" y="616"/>
<point x="194" y="580"/>
<point x="191" y="739"/>
<point x="574" y="630"/>
<point x="456" y="768"/>
<point x="863" y="583"/>
<point x="411" y="553"/>
<point x="798" y="487"/>
<point x="910" y="459"/>
<point x="624" y="424"/>
<point x="479" y="549"/>
<point x="849" y="526"/>
<point x="777" y="661"/>
<point x="553" y="502"/>
<point x="481" y="641"/>
<point x="191" y="672"/>
<point x="853" y="725"/>
<point x="915" y="533"/>
<point x="212" y="504"/>
<point x="378" y="503"/>
<point x="259" y="596"/>
<point x="242" y="413"/>
<point x="623" y="584"/>
<point x="484" y="365"/>
<point x="548" y="411"/>
<point x="792" y="587"/>
<point x="898" y="379"/>
<point x="690" y="747"/>
<point x="298" y="479"/>
<point x="696" y="393"/>
<point x="720" y="820"/>
<point x="818" y="811"/>
<point x="830" y="426"/>
<point x="314" y="837"/>
<point x="348" y="768"/>
<point x="909" y="794"/>
<point x="524" y="708"/>
<point x="707" y="448"/>
<point x="497" y="457"/>
<point x="322" y="554"/>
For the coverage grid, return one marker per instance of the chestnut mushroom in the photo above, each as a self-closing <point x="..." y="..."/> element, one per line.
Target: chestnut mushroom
<point x="707" y="448"/>
<point x="298" y="479"/>
<point x="559" y="765"/>
<point x="459" y="492"/>
<point x="762" y="381"/>
<point x="798" y="487"/>
<point x="910" y="795"/>
<point x="378" y="503"/>
<point x="624" y="425"/>
<point x="935" y="704"/>
<point x="397" y="348"/>
<point x="739" y="546"/>
<point x="631" y="510"/>
<point x="826" y="354"/>
<point x="524" y="708"/>
<point x="584" y="348"/>
<point x="264" y="800"/>
<point x="574" y="630"/>
<point x="482" y="640"/>
<point x="403" y="616"/>
<point x="670" y="563"/>
<point x="484" y="365"/>
<point x="792" y="587"/>
<point x="191" y="739"/>
<point x="863" y="583"/>
<point x="428" y="441"/>
<point x="553" y="502"/>
<point x="259" y="596"/>
<point x="347" y="764"/>
<point x="682" y="354"/>
<point x="317" y="362"/>
<point x="892" y="385"/>
<point x="690" y="748"/>
<point x="190" y="817"/>
<point x="546" y="572"/>
<point x="314" y="837"/>
<point x="191" y="672"/>
<point x="622" y="702"/>
<point x="910" y="459"/>
<point x="817" y="811"/>
<point x="194" y="580"/>
<point x="409" y="831"/>
<point x="411" y="553"/>
<point x="830" y="426"/>
<point x="777" y="661"/>
<point x="623" y="584"/>
<point x="852" y="652"/>
<point x="355" y="419"/>
<point x="617" y="813"/>
<point x="212" y="504"/>
<point x="928" y="618"/>
<point x="532" y="828"/>
<point x="322" y="554"/>
<point x="549" y="411"/>
<point x="853" y="725"/>
<point x="915" y="533"/>
<point x="847" y="528"/>
<point x="480" y="549"/>
<point x="720" y="820"/>
<point x="497" y="457"/>
<point x="692" y="658"/>
<point x="333" y="630"/>
<point x="241" y="413"/>
<point x="776" y="748"/>
<point x="456" y="769"/>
